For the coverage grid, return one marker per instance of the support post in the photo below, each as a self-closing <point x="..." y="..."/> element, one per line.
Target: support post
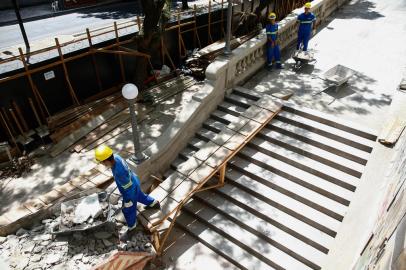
<point x="209" y="38"/>
<point x="96" y="69"/>
<point x="34" y="89"/>
<point x="65" y="70"/>
<point x="120" y="58"/>
<point x="179" y="36"/>
<point x="195" y="26"/>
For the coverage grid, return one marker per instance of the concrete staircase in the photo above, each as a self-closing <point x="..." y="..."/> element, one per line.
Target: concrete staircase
<point x="287" y="191"/>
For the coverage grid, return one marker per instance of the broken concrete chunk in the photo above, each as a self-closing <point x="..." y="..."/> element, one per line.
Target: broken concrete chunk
<point x="21" y="232"/>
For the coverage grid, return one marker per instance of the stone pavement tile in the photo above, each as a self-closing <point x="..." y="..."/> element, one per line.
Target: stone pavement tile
<point x="159" y="194"/>
<point x="201" y="173"/>
<point x="50" y="197"/>
<point x="187" y="167"/>
<point x="172" y="181"/>
<point x="249" y="128"/>
<point x="264" y="116"/>
<point x="218" y="157"/>
<point x="223" y="136"/>
<point x="167" y="206"/>
<point x="4" y="221"/>
<point x="16" y="213"/>
<point x="206" y="150"/>
<point x="269" y="103"/>
<point x="252" y="111"/>
<point x="183" y="190"/>
<point x="65" y="188"/>
<point x="78" y="181"/>
<point x="87" y="185"/>
<point x="34" y="205"/>
<point x="100" y="179"/>
<point x="234" y="142"/>
<point x="238" y="124"/>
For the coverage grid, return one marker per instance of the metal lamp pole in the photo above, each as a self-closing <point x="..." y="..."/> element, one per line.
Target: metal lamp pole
<point x="130" y="93"/>
<point x="227" y="49"/>
<point x="20" y="22"/>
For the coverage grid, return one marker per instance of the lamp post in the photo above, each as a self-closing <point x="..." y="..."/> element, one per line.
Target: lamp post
<point x="130" y="93"/>
<point x="20" y="23"/>
<point x="227" y="49"/>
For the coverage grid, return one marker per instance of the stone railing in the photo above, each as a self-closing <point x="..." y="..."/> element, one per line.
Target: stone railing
<point x="222" y="74"/>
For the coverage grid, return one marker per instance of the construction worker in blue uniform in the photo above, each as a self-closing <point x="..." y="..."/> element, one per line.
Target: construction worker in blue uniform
<point x="127" y="183"/>
<point x="272" y="51"/>
<point x="307" y="24"/>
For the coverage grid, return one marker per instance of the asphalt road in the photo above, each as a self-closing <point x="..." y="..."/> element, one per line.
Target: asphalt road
<point x="68" y="24"/>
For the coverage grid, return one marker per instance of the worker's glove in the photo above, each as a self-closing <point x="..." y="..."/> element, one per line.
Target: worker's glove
<point x="128" y="204"/>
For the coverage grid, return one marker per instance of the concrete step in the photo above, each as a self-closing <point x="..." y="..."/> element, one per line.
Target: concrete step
<point x="303" y="178"/>
<point x="239" y="100"/>
<point x="272" y="253"/>
<point x="213" y="125"/>
<point x="291" y="225"/>
<point x="223" y="117"/>
<point x="289" y="188"/>
<point x="191" y="254"/>
<point x="327" y="131"/>
<point x="332" y="121"/>
<point x="205" y="134"/>
<point x="247" y="93"/>
<point x="260" y="227"/>
<point x="179" y="160"/>
<point x="187" y="152"/>
<point x="284" y="203"/>
<point x="304" y="163"/>
<point x="231" y="108"/>
<point x="228" y="249"/>
<point x="312" y="138"/>
<point x="310" y="151"/>
<point x="196" y="143"/>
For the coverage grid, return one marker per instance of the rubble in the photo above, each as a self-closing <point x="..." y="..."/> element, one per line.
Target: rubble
<point x="37" y="248"/>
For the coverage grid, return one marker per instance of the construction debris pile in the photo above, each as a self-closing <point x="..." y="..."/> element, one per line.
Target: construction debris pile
<point x="38" y="249"/>
<point x="17" y="167"/>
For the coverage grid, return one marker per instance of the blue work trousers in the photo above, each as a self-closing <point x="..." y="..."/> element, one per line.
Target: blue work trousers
<point x="130" y="213"/>
<point x="303" y="38"/>
<point x="273" y="53"/>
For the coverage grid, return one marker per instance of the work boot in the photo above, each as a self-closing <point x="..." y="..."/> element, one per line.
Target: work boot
<point x="269" y="67"/>
<point x="154" y="205"/>
<point x="279" y="66"/>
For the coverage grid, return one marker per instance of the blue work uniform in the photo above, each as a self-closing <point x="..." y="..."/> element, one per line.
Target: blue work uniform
<point x="272" y="51"/>
<point x="129" y="186"/>
<point x="305" y="29"/>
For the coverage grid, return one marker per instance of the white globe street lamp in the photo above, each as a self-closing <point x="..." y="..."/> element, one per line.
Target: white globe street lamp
<point x="130" y="93"/>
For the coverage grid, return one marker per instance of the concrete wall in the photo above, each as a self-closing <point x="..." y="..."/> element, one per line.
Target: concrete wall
<point x="222" y="74"/>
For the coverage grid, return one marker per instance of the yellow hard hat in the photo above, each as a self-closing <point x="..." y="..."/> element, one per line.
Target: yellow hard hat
<point x="308" y="5"/>
<point x="272" y="15"/>
<point x="102" y="153"/>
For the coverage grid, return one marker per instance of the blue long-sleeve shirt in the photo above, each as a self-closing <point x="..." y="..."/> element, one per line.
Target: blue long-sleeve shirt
<point x="272" y="31"/>
<point x="306" y="21"/>
<point x="127" y="182"/>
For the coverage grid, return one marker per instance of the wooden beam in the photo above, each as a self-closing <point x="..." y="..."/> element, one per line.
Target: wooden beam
<point x="135" y="53"/>
<point x="65" y="71"/>
<point x="95" y="67"/>
<point x="35" y="112"/>
<point x="209" y="38"/>
<point x="20" y="115"/>
<point x="34" y="89"/>
<point x="120" y="58"/>
<point x="9" y="132"/>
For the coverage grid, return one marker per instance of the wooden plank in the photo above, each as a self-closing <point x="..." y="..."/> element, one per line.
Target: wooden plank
<point x="102" y="130"/>
<point x="91" y="125"/>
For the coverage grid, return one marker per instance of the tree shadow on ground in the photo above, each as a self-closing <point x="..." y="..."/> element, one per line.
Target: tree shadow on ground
<point x="352" y="11"/>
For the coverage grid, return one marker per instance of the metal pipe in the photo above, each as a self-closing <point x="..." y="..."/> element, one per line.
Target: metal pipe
<point x="228" y="34"/>
<point x="20" y="22"/>
<point x="139" y="156"/>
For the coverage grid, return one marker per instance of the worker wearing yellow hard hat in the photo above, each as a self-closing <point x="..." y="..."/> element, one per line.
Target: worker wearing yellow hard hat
<point x="128" y="184"/>
<point x="307" y="23"/>
<point x="272" y="50"/>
